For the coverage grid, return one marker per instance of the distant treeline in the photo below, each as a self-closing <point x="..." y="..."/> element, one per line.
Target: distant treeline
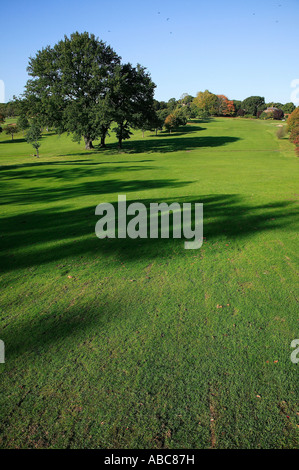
<point x="206" y="103"/>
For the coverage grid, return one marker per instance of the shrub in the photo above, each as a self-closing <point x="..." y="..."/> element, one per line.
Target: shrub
<point x="281" y="132"/>
<point x="266" y="116"/>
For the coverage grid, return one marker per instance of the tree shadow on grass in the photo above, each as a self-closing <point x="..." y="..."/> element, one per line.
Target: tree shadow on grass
<point x="67" y="190"/>
<point x="55" y="328"/>
<point x="184" y="130"/>
<point x="13" y="141"/>
<point x="202" y="121"/>
<point x="50" y="235"/>
<point x="162" y="143"/>
<point x="167" y="144"/>
<point x="4" y="169"/>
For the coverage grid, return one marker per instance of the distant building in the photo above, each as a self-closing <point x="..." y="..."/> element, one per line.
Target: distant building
<point x="271" y="109"/>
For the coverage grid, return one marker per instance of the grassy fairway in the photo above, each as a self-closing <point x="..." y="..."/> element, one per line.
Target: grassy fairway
<point x="143" y="344"/>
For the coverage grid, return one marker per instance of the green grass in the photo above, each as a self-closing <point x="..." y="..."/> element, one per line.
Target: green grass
<point x="123" y="343"/>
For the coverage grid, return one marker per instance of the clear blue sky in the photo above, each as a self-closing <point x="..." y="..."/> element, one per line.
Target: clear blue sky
<point x="236" y="48"/>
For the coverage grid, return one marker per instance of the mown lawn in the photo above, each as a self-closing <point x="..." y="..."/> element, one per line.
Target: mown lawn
<point x="141" y="343"/>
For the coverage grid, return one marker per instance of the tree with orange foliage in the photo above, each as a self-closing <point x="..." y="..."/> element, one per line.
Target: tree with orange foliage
<point x="293" y="119"/>
<point x="225" y="106"/>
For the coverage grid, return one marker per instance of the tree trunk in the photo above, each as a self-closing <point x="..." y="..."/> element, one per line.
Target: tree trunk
<point x="104" y="131"/>
<point x="103" y="145"/>
<point x="11" y="136"/>
<point x="156" y="131"/>
<point x="143" y="134"/>
<point x="88" y="143"/>
<point x="37" y="153"/>
<point x="120" y="136"/>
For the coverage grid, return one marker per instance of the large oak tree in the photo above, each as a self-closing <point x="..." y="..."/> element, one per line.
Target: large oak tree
<point x="69" y="84"/>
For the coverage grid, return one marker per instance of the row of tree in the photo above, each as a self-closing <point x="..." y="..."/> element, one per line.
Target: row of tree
<point x="10" y="109"/>
<point x="207" y="103"/>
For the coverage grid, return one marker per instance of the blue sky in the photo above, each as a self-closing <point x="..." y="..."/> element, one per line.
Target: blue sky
<point x="232" y="47"/>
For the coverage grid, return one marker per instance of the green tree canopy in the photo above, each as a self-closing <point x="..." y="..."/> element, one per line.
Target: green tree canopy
<point x="206" y="101"/>
<point x="288" y="108"/>
<point x="132" y="99"/>
<point x="253" y="104"/>
<point x="11" y="129"/>
<point x="175" y="120"/>
<point x="34" y="136"/>
<point x="186" y="98"/>
<point x="23" y="123"/>
<point x="80" y="86"/>
<point x="171" y="104"/>
<point x="69" y="82"/>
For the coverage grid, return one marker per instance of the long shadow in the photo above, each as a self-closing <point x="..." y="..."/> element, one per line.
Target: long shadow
<point x="55" y="328"/>
<point x="50" y="235"/>
<point x="12" y="141"/>
<point x="180" y="131"/>
<point x="163" y="143"/>
<point x="170" y="143"/>
<point x="65" y="175"/>
<point x="5" y="168"/>
<point x="48" y="194"/>
<point x="202" y="121"/>
<point x="22" y="139"/>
